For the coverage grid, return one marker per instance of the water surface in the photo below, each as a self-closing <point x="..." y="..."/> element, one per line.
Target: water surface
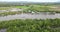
<point x="2" y="30"/>
<point x="31" y="16"/>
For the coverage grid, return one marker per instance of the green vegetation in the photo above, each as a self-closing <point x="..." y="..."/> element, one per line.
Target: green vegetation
<point x="24" y="7"/>
<point x="30" y="9"/>
<point x="31" y="25"/>
<point x="39" y="8"/>
<point x="10" y="13"/>
<point x="5" y="8"/>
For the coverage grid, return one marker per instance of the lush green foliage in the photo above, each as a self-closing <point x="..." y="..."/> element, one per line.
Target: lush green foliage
<point x="31" y="25"/>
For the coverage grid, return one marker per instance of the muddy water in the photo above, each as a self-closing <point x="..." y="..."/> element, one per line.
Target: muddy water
<point x="31" y="16"/>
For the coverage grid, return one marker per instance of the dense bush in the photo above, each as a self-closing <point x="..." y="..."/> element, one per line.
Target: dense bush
<point x="31" y="25"/>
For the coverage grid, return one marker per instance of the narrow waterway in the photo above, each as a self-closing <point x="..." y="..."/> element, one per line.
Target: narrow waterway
<point x="31" y="16"/>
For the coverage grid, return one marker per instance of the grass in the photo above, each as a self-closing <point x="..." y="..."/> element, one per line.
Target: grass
<point x="34" y="8"/>
<point x="38" y="8"/>
<point x="5" y="8"/>
<point x="24" y="7"/>
<point x="10" y="13"/>
<point x="31" y="25"/>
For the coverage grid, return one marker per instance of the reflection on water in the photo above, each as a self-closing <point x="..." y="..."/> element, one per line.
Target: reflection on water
<point x="31" y="16"/>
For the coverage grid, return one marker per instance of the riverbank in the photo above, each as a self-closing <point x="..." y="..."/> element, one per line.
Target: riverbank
<point x="23" y="12"/>
<point x="10" y="13"/>
<point x="28" y="9"/>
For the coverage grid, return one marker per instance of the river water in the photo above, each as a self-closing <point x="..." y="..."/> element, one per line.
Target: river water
<point x="3" y="30"/>
<point x="31" y="16"/>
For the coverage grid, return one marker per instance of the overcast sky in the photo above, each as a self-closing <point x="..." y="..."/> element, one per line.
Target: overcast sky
<point x="31" y="0"/>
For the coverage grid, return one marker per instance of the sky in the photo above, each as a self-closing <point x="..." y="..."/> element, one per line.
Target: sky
<point x="30" y="0"/>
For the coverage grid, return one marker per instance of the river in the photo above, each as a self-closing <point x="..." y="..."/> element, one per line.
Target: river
<point x="31" y="16"/>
